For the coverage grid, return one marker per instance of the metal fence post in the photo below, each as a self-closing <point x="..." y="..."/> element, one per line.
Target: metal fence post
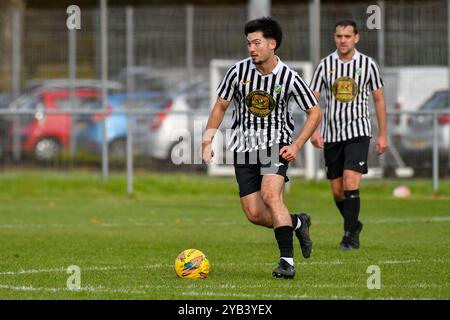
<point x="130" y="90"/>
<point x="258" y="8"/>
<point x="190" y="40"/>
<point x="73" y="76"/>
<point x="314" y="44"/>
<point x="16" y="76"/>
<point x="190" y="63"/>
<point x="435" y="153"/>
<point x="448" y="63"/>
<point x="381" y="36"/>
<point x="381" y="62"/>
<point x="104" y="63"/>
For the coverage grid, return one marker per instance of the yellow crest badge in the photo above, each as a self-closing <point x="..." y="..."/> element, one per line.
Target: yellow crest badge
<point x="260" y="103"/>
<point x="345" y="89"/>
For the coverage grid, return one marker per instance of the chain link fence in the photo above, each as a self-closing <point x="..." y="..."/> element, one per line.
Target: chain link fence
<point x="415" y="33"/>
<point x="168" y="137"/>
<point x="172" y="46"/>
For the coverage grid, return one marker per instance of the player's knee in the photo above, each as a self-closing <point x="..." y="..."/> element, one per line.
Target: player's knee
<point x="351" y="185"/>
<point x="251" y="212"/>
<point x="253" y="215"/>
<point x="254" y="218"/>
<point x="351" y="181"/>
<point x="338" y="195"/>
<point x="256" y="215"/>
<point x="271" y="199"/>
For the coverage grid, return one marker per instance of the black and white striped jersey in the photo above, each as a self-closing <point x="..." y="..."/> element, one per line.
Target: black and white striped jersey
<point x="261" y="117"/>
<point x="347" y="86"/>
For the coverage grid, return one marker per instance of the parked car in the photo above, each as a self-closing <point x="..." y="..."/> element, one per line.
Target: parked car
<point x="5" y="99"/>
<point x="180" y="120"/>
<point x="418" y="138"/>
<point x="143" y="78"/>
<point x="90" y="137"/>
<point x="63" y="83"/>
<point x="45" y="135"/>
<point x="407" y="89"/>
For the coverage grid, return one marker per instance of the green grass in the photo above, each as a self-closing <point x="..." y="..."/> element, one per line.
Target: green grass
<point x="126" y="245"/>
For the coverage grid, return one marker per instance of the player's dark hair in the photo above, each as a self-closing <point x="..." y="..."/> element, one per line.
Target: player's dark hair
<point x="347" y="23"/>
<point x="269" y="27"/>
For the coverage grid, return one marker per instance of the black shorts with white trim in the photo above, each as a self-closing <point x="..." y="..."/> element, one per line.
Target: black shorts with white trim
<point x="346" y="155"/>
<point x="250" y="167"/>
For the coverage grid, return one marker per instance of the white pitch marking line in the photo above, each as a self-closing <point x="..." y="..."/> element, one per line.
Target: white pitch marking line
<point x="82" y="289"/>
<point x="31" y="271"/>
<point x="212" y="223"/>
<point x="398" y="261"/>
<point x="339" y="262"/>
<point x="134" y="290"/>
<point x="94" y="268"/>
<point x="156" y="266"/>
<point x="208" y="293"/>
<point x="290" y="286"/>
<point x="245" y="295"/>
<point x="393" y="220"/>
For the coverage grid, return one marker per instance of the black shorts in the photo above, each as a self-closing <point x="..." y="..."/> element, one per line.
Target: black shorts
<point x="346" y="155"/>
<point x="250" y="167"/>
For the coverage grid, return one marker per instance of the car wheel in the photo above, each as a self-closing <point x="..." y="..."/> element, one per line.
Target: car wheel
<point x="47" y="149"/>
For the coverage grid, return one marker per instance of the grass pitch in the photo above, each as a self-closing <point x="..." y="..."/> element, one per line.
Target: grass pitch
<point x="125" y="246"/>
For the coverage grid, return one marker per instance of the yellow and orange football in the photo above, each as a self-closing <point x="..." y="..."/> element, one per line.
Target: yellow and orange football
<point x="192" y="264"/>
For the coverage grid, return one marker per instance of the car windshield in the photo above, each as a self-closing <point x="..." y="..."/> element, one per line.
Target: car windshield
<point x="78" y="102"/>
<point x="30" y="103"/>
<point x="438" y="101"/>
<point x="92" y="104"/>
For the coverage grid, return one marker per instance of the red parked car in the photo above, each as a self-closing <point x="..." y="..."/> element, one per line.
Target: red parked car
<point x="44" y="136"/>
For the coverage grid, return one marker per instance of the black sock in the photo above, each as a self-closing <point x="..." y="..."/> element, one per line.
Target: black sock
<point x="284" y="239"/>
<point x="351" y="209"/>
<point x="340" y="206"/>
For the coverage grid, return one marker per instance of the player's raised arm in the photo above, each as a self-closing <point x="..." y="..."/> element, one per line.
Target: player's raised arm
<point x="214" y="121"/>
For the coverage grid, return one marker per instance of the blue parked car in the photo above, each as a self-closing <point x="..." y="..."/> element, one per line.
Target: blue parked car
<point x="89" y="129"/>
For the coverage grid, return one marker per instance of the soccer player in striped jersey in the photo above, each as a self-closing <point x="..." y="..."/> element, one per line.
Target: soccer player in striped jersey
<point x="347" y="76"/>
<point x="261" y="87"/>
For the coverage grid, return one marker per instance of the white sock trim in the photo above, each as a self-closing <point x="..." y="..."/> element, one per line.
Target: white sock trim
<point x="299" y="223"/>
<point x="288" y="260"/>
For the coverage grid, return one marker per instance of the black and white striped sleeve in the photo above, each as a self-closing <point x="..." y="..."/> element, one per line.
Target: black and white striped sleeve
<point x="227" y="86"/>
<point x="375" y="81"/>
<point x="317" y="79"/>
<point x="303" y="94"/>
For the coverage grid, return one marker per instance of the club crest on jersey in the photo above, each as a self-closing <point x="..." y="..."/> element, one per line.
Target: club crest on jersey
<point x="277" y="89"/>
<point x="260" y="103"/>
<point x="358" y="71"/>
<point x="345" y="89"/>
<point x="245" y="82"/>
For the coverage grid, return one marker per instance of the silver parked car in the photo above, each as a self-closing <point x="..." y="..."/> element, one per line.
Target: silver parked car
<point x="179" y="123"/>
<point x="417" y="143"/>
